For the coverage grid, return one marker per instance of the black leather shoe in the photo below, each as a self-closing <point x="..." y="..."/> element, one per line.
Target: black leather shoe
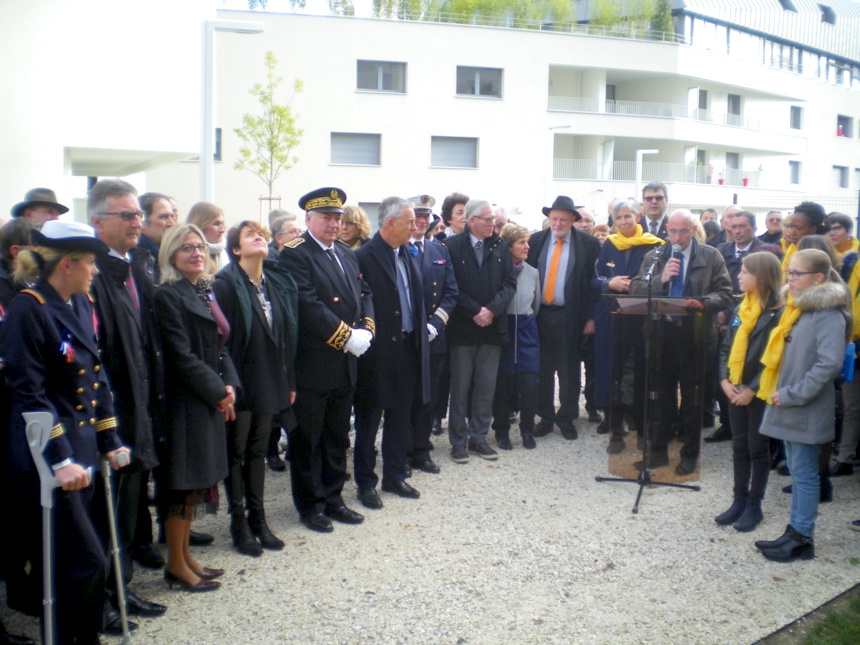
<point x="427" y="467"/>
<point x="137" y="606"/>
<point x="721" y="434"/>
<point x="503" y="441"/>
<point x="400" y="488"/>
<point x="113" y="623"/>
<point x="840" y="469"/>
<point x="437" y="426"/>
<point x="369" y="498"/>
<point x="733" y="513"/>
<point x="686" y="467"/>
<point x="769" y="544"/>
<point x="147" y="556"/>
<point x="317" y="522"/>
<point x="276" y="463"/>
<point x="200" y="539"/>
<point x="658" y="460"/>
<point x="460" y="454"/>
<point x="542" y="429"/>
<point x="344" y="515"/>
<point x="795" y="547"/>
<point x="529" y="441"/>
<point x="568" y="431"/>
<point x="260" y="529"/>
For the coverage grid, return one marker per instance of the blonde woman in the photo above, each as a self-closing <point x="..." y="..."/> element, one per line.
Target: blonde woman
<point x="209" y="218"/>
<point x="355" y="227"/>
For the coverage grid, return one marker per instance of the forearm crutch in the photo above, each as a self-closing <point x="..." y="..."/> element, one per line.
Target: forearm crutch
<point x="122" y="460"/>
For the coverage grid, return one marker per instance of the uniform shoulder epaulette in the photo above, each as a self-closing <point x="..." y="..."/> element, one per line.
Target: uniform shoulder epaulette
<point x="38" y="296"/>
<point x="294" y="243"/>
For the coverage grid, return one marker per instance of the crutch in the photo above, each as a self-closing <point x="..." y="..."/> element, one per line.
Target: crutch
<point x="121" y="460"/>
<point x="38" y="431"/>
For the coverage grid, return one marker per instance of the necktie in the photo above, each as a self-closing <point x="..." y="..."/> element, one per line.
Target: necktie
<point x="552" y="274"/>
<point x="677" y="290"/>
<point x="403" y="293"/>
<point x="418" y="245"/>
<point x="741" y="255"/>
<point x="131" y="287"/>
<point x="653" y="226"/>
<point x="479" y="252"/>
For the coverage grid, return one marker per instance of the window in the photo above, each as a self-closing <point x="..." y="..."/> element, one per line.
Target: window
<point x="355" y="149"/>
<point x="371" y="209"/>
<point x="827" y="14"/>
<point x="796" y="117"/>
<point x="453" y="152"/>
<point x="610" y="92"/>
<point x="844" y="126"/>
<point x="703" y="99"/>
<point x="479" y="81"/>
<point x="794" y="172"/>
<point x="840" y="176"/>
<point x="734" y="105"/>
<point x="381" y="76"/>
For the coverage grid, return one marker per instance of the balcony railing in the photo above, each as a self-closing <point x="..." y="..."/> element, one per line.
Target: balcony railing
<point x="645" y="108"/>
<point x="589" y="169"/>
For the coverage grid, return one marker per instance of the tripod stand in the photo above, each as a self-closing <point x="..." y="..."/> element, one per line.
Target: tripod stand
<point x="653" y="308"/>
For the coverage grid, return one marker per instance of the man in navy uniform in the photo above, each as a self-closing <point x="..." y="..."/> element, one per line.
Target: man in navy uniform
<point x="393" y="376"/>
<point x="336" y="327"/>
<point x="440" y="299"/>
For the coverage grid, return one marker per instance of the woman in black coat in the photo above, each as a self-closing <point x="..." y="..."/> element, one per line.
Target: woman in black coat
<point x="200" y="387"/>
<point x="260" y="301"/>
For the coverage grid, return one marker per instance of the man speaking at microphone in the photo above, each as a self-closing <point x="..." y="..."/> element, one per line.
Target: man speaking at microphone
<point x="697" y="273"/>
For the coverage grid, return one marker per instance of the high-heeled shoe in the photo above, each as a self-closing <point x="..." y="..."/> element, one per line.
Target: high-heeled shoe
<point x="203" y="585"/>
<point x="209" y="574"/>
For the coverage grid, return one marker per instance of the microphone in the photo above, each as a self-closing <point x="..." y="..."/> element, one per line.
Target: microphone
<point x="676" y="248"/>
<point x="676" y="255"/>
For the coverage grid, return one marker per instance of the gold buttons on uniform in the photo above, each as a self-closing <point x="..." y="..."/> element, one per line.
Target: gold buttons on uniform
<point x="80" y="390"/>
<point x="335" y="299"/>
<point x="79" y="408"/>
<point x="94" y="403"/>
<point x="96" y="386"/>
<point x="97" y="368"/>
<point x="92" y="421"/>
<point x="81" y="424"/>
<point x="81" y="372"/>
<point x="434" y="284"/>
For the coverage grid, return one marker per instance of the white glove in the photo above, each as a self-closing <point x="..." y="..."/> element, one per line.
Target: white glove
<point x="432" y="331"/>
<point x="358" y="342"/>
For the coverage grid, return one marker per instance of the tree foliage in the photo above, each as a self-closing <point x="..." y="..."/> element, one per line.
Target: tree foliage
<point x="336" y="7"/>
<point x="253" y="4"/>
<point x="662" y="19"/>
<point x="269" y="137"/>
<point x="512" y="12"/>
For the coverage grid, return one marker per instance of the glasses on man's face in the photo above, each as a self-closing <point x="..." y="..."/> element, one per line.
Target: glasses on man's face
<point x="791" y="274"/>
<point x="190" y="248"/>
<point x="486" y="219"/>
<point x="127" y="216"/>
<point x="681" y="233"/>
<point x="654" y="198"/>
<point x="774" y="220"/>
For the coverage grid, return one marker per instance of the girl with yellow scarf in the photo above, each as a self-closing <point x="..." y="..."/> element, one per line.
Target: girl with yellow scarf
<point x="740" y="367"/>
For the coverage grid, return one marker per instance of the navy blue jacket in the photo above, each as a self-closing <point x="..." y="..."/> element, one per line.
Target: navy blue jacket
<point x="440" y="290"/>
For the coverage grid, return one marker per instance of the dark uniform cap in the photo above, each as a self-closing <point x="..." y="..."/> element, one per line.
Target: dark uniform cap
<point x="422" y="204"/>
<point x="563" y="203"/>
<point x="324" y="200"/>
<point x="68" y="236"/>
<point x="38" y="197"/>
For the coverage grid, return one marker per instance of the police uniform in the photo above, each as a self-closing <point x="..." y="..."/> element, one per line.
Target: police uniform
<point x="53" y="365"/>
<point x="334" y="299"/>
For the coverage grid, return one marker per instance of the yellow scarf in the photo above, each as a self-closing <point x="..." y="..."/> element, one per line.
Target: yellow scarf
<point x="789" y="252"/>
<point x="853" y="285"/>
<point x="848" y="246"/>
<point x="639" y="238"/>
<point x="772" y="358"/>
<point x="749" y="313"/>
<point x="783" y="244"/>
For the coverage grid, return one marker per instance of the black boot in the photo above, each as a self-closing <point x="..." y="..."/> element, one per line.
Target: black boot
<point x="733" y="513"/>
<point x="769" y="544"/>
<point x="751" y="517"/>
<point x="257" y="523"/>
<point x="795" y="547"/>
<point x="528" y="440"/>
<point x="503" y="440"/>
<point x="243" y="539"/>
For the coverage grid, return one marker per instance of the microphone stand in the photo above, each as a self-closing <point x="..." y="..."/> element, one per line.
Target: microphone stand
<point x="645" y="477"/>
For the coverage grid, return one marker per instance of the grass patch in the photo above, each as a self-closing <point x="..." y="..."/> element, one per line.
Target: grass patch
<point x="838" y="628"/>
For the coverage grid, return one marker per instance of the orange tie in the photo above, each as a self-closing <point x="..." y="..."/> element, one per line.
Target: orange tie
<point x="549" y="290"/>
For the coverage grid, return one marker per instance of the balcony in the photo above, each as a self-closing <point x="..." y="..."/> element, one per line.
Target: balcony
<point x="589" y="169"/>
<point x="644" y="108"/>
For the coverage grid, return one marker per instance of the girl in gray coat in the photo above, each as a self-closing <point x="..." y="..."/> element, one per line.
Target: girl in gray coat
<point x="803" y="357"/>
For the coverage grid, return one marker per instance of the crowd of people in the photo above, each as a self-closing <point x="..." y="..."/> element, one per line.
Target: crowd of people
<point x="195" y="349"/>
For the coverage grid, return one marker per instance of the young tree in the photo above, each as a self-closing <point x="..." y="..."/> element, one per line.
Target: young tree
<point x="269" y="136"/>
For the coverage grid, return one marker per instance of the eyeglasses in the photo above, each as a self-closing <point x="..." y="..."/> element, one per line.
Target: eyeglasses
<point x="774" y="220"/>
<point x="837" y="227"/>
<point x="682" y="233"/>
<point x="190" y="248"/>
<point x="485" y="219"/>
<point x="127" y="216"/>
<point x="791" y="273"/>
<point x="654" y="198"/>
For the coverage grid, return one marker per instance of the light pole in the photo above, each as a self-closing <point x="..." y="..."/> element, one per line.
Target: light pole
<point x="639" y="155"/>
<point x="207" y="133"/>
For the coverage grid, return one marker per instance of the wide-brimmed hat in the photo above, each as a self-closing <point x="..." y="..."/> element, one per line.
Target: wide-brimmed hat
<point x="38" y="197"/>
<point x="68" y="236"/>
<point x="324" y="200"/>
<point x="563" y="203"/>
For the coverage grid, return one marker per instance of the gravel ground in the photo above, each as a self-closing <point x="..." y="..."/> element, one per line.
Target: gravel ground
<point x="528" y="549"/>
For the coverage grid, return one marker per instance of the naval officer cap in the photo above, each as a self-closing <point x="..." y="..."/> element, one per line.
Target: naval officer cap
<point x="422" y="204"/>
<point x="324" y="200"/>
<point x="68" y="236"/>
